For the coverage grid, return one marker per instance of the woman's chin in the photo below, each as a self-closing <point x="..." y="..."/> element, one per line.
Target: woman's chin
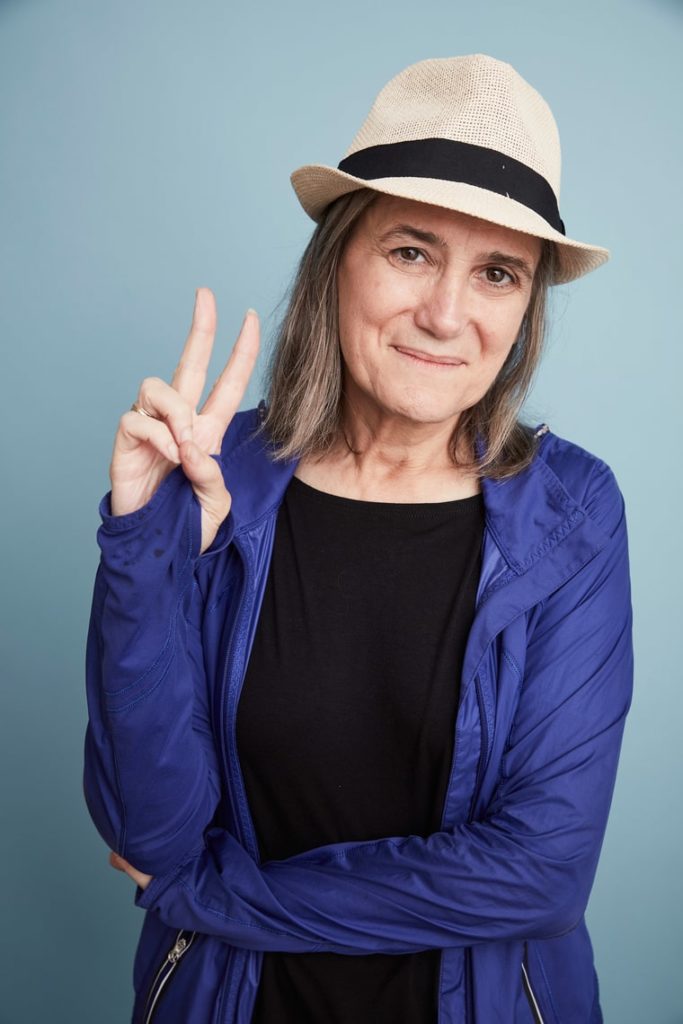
<point x="420" y="409"/>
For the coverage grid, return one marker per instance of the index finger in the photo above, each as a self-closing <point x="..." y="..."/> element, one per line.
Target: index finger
<point x="190" y="373"/>
<point x="228" y="391"/>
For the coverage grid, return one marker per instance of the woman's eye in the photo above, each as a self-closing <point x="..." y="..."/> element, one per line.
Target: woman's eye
<point x="498" y="276"/>
<point x="407" y="254"/>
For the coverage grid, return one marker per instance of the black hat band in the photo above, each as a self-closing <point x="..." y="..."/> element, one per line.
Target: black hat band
<point x="458" y="161"/>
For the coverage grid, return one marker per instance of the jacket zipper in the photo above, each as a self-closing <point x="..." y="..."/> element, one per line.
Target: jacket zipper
<point x="228" y="727"/>
<point x="533" y="1002"/>
<point x="484" y="752"/>
<point x="229" y="703"/>
<point x="183" y="941"/>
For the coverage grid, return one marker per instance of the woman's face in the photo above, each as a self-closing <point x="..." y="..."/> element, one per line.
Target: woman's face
<point x="430" y="304"/>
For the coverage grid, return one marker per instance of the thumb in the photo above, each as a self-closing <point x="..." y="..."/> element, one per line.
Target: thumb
<point x="206" y="478"/>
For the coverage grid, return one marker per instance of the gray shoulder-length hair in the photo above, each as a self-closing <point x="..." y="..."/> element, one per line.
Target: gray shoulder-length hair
<point x="304" y="391"/>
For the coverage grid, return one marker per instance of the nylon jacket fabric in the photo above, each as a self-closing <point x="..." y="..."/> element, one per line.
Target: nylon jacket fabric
<point x="501" y="888"/>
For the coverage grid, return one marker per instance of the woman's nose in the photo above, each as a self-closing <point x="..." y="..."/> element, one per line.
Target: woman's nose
<point x="442" y="308"/>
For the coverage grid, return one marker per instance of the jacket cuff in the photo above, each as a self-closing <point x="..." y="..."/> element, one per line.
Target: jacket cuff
<point x="145" y="898"/>
<point x="169" y="486"/>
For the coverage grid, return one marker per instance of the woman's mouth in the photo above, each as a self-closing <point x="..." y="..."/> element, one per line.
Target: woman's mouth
<point x="426" y="359"/>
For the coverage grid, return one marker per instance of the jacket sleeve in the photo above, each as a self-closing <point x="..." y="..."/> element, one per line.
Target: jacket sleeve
<point x="524" y="871"/>
<point x="150" y="778"/>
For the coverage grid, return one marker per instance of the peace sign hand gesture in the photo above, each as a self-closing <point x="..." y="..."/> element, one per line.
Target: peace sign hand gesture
<point x="147" y="447"/>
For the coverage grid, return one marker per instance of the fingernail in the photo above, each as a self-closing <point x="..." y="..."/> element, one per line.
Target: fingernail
<point x="173" y="452"/>
<point x="186" y="434"/>
<point x="190" y="453"/>
<point x="250" y="310"/>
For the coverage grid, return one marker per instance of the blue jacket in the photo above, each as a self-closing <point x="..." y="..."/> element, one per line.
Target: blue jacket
<point x="501" y="889"/>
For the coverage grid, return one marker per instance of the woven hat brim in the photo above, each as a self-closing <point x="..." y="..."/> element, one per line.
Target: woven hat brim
<point x="317" y="185"/>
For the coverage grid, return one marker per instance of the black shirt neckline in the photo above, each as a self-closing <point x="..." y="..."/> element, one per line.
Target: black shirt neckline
<point x="473" y="503"/>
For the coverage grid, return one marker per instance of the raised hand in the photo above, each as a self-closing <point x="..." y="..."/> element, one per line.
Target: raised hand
<point x="147" y="447"/>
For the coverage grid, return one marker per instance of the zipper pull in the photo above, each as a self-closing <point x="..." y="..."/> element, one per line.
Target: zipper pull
<point x="175" y="954"/>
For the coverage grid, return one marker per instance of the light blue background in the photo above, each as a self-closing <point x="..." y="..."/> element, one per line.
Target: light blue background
<point x="145" y="149"/>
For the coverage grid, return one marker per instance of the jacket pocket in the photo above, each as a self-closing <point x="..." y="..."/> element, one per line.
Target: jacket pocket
<point x="531" y="997"/>
<point x="183" y="941"/>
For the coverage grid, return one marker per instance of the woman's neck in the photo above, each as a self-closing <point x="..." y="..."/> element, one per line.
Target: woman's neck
<point x="389" y="466"/>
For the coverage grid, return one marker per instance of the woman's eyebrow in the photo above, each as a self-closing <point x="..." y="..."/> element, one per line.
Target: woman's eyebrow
<point x="412" y="232"/>
<point x="430" y="238"/>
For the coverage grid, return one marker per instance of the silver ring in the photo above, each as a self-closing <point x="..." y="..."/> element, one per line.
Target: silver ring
<point x="137" y="408"/>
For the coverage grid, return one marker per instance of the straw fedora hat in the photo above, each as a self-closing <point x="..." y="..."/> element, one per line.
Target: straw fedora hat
<point x="465" y="133"/>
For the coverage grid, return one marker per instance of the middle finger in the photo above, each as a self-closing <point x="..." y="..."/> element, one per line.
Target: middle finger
<point x="190" y="373"/>
<point x="228" y="390"/>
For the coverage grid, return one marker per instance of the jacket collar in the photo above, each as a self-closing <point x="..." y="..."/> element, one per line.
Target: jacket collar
<point x="538" y="536"/>
<point x="533" y="520"/>
<point x="532" y="513"/>
<point x="256" y="482"/>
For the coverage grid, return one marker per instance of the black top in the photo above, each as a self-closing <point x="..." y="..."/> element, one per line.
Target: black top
<point x="345" y="725"/>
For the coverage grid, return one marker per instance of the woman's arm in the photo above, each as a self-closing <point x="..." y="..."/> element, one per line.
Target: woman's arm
<point x="525" y="870"/>
<point x="150" y="775"/>
<point x="151" y="779"/>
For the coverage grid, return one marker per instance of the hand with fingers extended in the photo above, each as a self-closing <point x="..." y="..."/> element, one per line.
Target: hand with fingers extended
<point x="171" y="432"/>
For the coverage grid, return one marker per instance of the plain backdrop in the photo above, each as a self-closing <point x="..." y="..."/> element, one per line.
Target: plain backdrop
<point x="145" y="149"/>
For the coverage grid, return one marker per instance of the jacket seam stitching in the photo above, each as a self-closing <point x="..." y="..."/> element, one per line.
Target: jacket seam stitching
<point x="558" y="534"/>
<point x="151" y="668"/>
<point x="147" y="693"/>
<point x="512" y="663"/>
<point x="169" y="642"/>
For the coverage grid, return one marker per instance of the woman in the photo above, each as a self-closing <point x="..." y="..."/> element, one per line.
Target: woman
<point x="360" y="659"/>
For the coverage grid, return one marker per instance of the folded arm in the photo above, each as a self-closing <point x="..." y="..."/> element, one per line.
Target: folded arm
<point x="524" y="871"/>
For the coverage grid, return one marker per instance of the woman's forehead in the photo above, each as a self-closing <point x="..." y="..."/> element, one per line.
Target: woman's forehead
<point x="396" y="214"/>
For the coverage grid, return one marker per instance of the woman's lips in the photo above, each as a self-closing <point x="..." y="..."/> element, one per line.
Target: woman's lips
<point x="428" y="360"/>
